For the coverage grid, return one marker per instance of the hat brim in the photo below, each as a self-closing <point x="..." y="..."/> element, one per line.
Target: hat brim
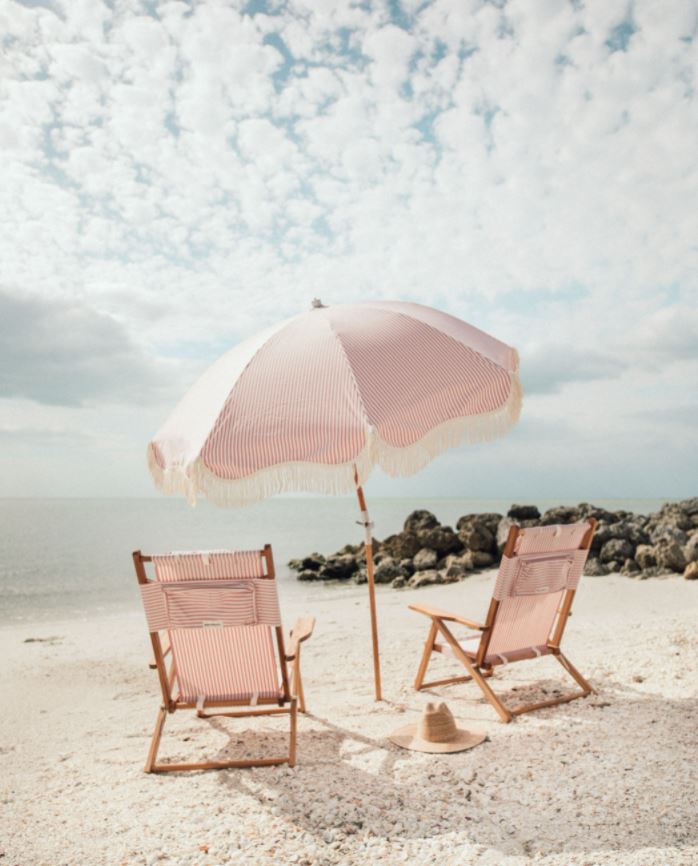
<point x="407" y="738"/>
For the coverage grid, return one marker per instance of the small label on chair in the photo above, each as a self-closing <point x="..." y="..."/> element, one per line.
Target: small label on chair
<point x="212" y="623"/>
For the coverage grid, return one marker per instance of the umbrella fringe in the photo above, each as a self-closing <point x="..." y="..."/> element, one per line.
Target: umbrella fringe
<point x="336" y="479"/>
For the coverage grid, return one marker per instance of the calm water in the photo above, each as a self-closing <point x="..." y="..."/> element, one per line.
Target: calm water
<point x="65" y="557"/>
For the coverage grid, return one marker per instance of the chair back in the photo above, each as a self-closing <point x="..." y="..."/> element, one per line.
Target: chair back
<point x="220" y="609"/>
<point x="546" y="564"/>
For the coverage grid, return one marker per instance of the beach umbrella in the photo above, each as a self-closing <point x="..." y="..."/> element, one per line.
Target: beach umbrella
<point x="316" y="402"/>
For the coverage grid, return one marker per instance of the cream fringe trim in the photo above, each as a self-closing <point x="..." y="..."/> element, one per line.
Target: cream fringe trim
<point x="196" y="480"/>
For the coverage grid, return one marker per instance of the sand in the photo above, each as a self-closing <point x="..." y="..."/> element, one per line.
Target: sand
<point x="611" y="779"/>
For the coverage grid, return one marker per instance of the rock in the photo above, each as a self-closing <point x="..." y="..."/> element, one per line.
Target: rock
<point x="584" y="510"/>
<point x="560" y="514"/>
<point x="486" y="520"/>
<point x="689" y="506"/>
<point x="616" y="549"/>
<point x="399" y="582"/>
<point x="424" y="578"/>
<point x="690" y="550"/>
<point x="477" y="537"/>
<point x="651" y="571"/>
<point x="360" y="576"/>
<point x="457" y="567"/>
<point x="425" y="558"/>
<point x="502" y="535"/>
<point x="645" y="556"/>
<point x="407" y="566"/>
<point x="523" y="512"/>
<point x="630" y="568"/>
<point x="419" y="521"/>
<point x="307" y="574"/>
<point x="691" y="571"/>
<point x="594" y="568"/>
<point x="402" y="546"/>
<point x="665" y="531"/>
<point x="481" y="559"/>
<point x="670" y="555"/>
<point x="339" y="567"/>
<point x="314" y="562"/>
<point x="388" y="570"/>
<point x="442" y="539"/>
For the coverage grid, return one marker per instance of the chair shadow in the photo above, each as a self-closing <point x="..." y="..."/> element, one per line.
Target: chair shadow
<point x="572" y="778"/>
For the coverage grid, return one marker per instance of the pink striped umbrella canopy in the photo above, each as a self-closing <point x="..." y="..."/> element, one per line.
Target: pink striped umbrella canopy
<point x="314" y="403"/>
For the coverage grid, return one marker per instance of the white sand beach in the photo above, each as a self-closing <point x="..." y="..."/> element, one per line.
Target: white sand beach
<point x="607" y="780"/>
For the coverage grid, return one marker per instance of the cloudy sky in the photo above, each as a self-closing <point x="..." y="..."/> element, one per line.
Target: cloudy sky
<point x="175" y="176"/>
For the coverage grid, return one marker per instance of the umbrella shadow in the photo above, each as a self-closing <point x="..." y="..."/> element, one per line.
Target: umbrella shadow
<point x="594" y="775"/>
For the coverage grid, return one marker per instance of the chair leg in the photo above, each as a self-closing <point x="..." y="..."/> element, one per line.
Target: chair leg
<point x="574" y="673"/>
<point x="292" y="736"/>
<point x="155" y="741"/>
<point x="475" y="673"/>
<point x="426" y="655"/>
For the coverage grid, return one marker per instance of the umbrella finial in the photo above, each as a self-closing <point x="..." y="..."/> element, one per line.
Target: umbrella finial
<point x="318" y="305"/>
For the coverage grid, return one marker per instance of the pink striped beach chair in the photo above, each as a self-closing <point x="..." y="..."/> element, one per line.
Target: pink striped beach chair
<point x="530" y="606"/>
<point x="217" y="616"/>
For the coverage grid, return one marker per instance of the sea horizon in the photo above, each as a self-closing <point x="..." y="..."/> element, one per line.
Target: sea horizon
<point x="65" y="557"/>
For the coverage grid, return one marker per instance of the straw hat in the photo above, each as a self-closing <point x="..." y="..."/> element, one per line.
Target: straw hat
<point x="436" y="732"/>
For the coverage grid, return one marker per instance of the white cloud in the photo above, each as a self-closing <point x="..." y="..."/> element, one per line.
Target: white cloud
<point x="529" y="167"/>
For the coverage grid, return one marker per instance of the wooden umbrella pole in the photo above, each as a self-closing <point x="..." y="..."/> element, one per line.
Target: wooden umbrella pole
<point x="371" y="587"/>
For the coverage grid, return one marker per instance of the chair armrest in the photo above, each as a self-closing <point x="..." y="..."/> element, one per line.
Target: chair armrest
<point x="435" y="613"/>
<point x="301" y="631"/>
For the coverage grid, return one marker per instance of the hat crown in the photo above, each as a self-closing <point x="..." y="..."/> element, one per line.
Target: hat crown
<point x="437" y="724"/>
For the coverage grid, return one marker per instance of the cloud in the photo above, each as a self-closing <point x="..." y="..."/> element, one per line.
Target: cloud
<point x="188" y="175"/>
<point x="65" y="354"/>
<point x="547" y="369"/>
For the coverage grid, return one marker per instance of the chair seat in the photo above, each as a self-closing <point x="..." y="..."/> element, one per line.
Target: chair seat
<point x="470" y="646"/>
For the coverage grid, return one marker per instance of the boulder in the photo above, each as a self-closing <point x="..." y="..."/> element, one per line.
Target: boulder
<point x="630" y="568"/>
<point x="387" y="570"/>
<point x="502" y="535"/>
<point x="312" y="562"/>
<point x="690" y="550"/>
<point x="424" y="559"/>
<point x="645" y="556"/>
<point x="407" y="566"/>
<point x="616" y="549"/>
<point x="442" y="539"/>
<point x="360" y="576"/>
<point x="307" y="574"/>
<point x="691" y="571"/>
<point x="559" y="514"/>
<point x="670" y="555"/>
<point x="424" y="578"/>
<point x="667" y="531"/>
<point x="486" y="520"/>
<point x="478" y="536"/>
<point x="481" y="559"/>
<point x="401" y="546"/>
<point x="594" y="568"/>
<point x="399" y="582"/>
<point x="458" y="566"/>
<point x="339" y="567"/>
<point x="585" y="509"/>
<point x="419" y="521"/>
<point x="523" y="512"/>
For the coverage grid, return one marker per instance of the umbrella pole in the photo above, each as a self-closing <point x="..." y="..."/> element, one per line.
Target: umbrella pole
<point x="371" y="587"/>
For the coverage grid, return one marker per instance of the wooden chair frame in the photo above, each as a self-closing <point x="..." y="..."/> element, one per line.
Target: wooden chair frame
<point x="480" y="670"/>
<point x="290" y="701"/>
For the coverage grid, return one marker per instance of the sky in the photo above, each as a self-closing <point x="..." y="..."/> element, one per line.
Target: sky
<point x="177" y="176"/>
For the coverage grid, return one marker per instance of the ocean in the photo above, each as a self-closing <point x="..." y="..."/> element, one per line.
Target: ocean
<point x="64" y="558"/>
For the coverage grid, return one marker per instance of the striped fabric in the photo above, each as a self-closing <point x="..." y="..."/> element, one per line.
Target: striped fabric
<point x="220" y="610"/>
<point x="368" y="383"/>
<point x="189" y="603"/>
<point x="530" y="586"/>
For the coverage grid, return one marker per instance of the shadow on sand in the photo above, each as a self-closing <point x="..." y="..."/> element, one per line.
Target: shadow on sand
<point x="570" y="779"/>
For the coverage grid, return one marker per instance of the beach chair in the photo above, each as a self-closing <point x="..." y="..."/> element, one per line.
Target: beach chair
<point x="217" y="616"/>
<point x="530" y="605"/>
